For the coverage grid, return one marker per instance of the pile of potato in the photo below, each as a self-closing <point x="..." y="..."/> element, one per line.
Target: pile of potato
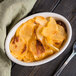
<point x="37" y="39"/>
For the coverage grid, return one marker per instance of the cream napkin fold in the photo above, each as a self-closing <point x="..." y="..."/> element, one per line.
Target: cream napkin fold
<point x="11" y="11"/>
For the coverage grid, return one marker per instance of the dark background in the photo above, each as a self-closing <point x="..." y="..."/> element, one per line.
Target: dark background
<point x="66" y="8"/>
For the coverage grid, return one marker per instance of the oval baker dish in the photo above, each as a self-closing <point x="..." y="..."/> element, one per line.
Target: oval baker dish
<point x="38" y="39"/>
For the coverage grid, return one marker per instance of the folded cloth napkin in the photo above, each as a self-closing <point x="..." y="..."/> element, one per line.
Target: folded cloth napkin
<point x="11" y="11"/>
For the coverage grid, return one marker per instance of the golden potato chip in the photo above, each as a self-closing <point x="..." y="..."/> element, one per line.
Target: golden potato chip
<point x="52" y="47"/>
<point x="44" y="55"/>
<point x="58" y="38"/>
<point x="38" y="50"/>
<point x="38" y="33"/>
<point x="40" y="20"/>
<point x="51" y="28"/>
<point x="18" y="47"/>
<point x="28" y="57"/>
<point x="26" y="30"/>
<point x="34" y="47"/>
<point x="18" y="30"/>
<point x="42" y="52"/>
<point x="54" y="33"/>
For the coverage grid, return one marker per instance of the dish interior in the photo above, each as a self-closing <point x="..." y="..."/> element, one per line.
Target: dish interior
<point x="38" y="38"/>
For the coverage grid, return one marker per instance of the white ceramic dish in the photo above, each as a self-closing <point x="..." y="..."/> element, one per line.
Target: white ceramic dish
<point x="44" y="14"/>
